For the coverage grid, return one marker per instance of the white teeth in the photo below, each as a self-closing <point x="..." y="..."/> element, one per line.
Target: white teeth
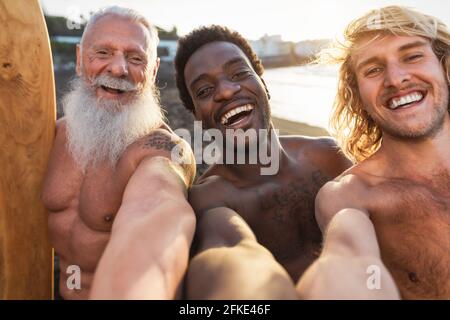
<point x="229" y="114"/>
<point x="107" y="87"/>
<point x="403" y="100"/>
<point x="412" y="97"/>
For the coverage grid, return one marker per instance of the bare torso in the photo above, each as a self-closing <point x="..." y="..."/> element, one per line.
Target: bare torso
<point x="82" y="207"/>
<point x="411" y="216"/>
<point x="279" y="209"/>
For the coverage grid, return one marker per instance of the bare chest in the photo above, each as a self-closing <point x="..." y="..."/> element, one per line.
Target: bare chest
<point x="100" y="197"/>
<point x="281" y="214"/>
<point x="95" y="197"/>
<point x="412" y="222"/>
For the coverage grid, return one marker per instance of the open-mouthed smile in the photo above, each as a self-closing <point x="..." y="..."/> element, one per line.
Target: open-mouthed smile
<point x="236" y="115"/>
<point x="112" y="90"/>
<point x="406" y="100"/>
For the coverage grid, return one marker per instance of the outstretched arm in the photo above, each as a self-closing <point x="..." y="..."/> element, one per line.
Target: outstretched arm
<point x="350" y="265"/>
<point x="148" y="251"/>
<point x="231" y="264"/>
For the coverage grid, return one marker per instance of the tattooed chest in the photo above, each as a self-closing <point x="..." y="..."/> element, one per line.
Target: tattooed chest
<point x="282" y="216"/>
<point x="287" y="203"/>
<point x="292" y="200"/>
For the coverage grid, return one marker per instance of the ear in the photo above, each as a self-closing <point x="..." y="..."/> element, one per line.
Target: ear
<point x="78" y="66"/>
<point x="154" y="72"/>
<point x="265" y="87"/>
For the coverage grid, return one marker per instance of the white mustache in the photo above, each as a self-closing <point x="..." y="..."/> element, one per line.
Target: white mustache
<point x="99" y="130"/>
<point x="114" y="83"/>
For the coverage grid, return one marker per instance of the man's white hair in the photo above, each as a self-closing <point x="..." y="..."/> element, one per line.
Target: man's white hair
<point x="129" y="14"/>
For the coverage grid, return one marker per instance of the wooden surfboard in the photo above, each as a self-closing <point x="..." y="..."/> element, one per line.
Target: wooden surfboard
<point x="27" y="126"/>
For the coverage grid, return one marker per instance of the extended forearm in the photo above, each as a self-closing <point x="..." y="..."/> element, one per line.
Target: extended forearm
<point x="231" y="264"/>
<point x="349" y="258"/>
<point x="351" y="233"/>
<point x="147" y="254"/>
<point x="147" y="260"/>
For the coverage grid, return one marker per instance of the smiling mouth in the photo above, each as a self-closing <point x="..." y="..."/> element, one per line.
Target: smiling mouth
<point x="112" y="90"/>
<point x="406" y="100"/>
<point x="236" y="115"/>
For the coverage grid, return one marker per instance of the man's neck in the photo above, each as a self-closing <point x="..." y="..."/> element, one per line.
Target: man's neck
<point x="256" y="172"/>
<point x="423" y="156"/>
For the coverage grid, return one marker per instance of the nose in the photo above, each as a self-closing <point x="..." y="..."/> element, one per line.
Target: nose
<point x="118" y="66"/>
<point x="226" y="89"/>
<point x="396" y="76"/>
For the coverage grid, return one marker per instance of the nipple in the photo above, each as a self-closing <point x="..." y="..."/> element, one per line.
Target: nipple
<point x="413" y="277"/>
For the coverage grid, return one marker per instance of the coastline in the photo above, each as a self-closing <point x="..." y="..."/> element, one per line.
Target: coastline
<point x="289" y="127"/>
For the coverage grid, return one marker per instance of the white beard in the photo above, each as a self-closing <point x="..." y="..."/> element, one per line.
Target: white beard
<point x="99" y="131"/>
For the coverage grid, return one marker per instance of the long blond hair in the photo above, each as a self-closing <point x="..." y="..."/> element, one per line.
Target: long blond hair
<point x="358" y="135"/>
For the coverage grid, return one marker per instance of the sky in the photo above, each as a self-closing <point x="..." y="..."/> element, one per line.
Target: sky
<point x="294" y="20"/>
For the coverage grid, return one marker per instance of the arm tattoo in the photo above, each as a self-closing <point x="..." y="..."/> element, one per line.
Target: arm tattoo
<point x="161" y="141"/>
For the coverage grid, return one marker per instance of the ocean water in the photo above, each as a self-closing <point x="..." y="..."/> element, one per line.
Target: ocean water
<point x="304" y="93"/>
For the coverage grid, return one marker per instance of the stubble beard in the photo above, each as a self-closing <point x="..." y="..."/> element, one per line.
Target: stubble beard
<point x="428" y="130"/>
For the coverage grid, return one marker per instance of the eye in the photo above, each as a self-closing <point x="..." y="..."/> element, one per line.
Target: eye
<point x="241" y="74"/>
<point x="204" y="92"/>
<point x="414" y="57"/>
<point x="372" y="72"/>
<point x="102" y="54"/>
<point x="136" y="60"/>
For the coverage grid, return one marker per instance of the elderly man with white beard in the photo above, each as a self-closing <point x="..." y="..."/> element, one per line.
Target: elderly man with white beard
<point x="118" y="215"/>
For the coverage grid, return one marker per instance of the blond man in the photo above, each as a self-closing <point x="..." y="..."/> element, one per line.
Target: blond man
<point x="386" y="220"/>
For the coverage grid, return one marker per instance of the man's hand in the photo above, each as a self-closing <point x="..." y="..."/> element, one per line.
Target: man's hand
<point x="231" y="264"/>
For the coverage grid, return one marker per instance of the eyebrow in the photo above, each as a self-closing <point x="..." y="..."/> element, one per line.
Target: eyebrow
<point x="110" y="46"/>
<point x="227" y="64"/>
<point x="412" y="45"/>
<point x="236" y="60"/>
<point x="404" y="47"/>
<point x="366" y="62"/>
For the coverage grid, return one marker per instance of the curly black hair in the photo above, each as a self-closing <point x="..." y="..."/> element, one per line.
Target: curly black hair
<point x="190" y="43"/>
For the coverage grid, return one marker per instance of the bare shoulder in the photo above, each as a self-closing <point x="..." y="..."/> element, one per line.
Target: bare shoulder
<point x="346" y="191"/>
<point x="59" y="143"/>
<point x="164" y="143"/>
<point x="61" y="122"/>
<point x="210" y="192"/>
<point x="323" y="152"/>
<point x="61" y="126"/>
